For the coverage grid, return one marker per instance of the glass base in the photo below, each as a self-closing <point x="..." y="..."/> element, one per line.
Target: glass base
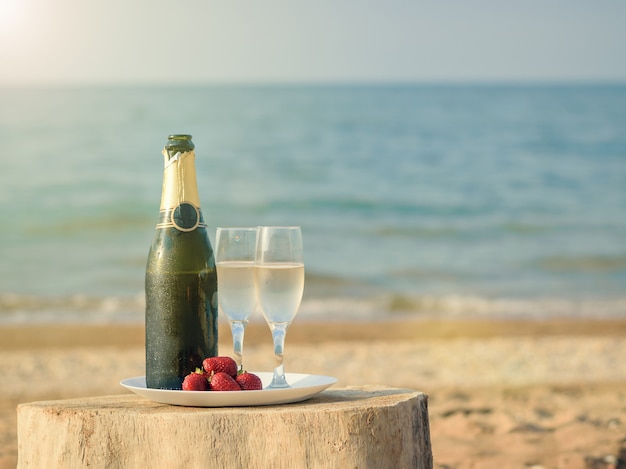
<point x="279" y="381"/>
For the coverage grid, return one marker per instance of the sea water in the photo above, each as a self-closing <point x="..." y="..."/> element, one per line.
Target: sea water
<point x="414" y="200"/>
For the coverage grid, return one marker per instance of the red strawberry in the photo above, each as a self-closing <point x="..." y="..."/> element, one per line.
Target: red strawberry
<point x="220" y="365"/>
<point x="249" y="381"/>
<point x="195" y="381"/>
<point x="223" y="382"/>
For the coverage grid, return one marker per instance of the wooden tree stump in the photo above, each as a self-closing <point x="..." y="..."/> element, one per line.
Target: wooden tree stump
<point x="364" y="427"/>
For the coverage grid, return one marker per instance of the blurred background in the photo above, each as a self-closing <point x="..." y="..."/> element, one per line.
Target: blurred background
<point x="443" y="159"/>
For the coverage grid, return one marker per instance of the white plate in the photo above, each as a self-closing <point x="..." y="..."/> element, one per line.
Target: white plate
<point x="303" y="387"/>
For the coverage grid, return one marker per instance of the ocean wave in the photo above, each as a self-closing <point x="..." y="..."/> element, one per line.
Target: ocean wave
<point x="395" y="306"/>
<point x="590" y="263"/>
<point x="415" y="232"/>
<point x="25" y="309"/>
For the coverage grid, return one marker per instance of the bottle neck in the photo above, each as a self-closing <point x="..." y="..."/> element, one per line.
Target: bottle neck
<point x="180" y="202"/>
<point x="179" y="180"/>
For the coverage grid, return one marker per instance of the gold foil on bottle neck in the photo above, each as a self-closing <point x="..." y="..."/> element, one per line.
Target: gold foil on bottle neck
<point x="179" y="180"/>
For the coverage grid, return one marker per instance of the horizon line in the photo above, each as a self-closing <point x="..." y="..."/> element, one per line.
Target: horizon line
<point x="322" y="82"/>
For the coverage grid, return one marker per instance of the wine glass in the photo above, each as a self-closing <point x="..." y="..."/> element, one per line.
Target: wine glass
<point x="279" y="276"/>
<point x="235" y="261"/>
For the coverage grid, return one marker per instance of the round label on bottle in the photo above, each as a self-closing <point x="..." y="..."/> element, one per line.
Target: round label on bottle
<point x="186" y="217"/>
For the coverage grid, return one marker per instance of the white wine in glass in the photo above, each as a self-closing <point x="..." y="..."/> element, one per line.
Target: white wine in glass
<point x="235" y="260"/>
<point x="279" y="277"/>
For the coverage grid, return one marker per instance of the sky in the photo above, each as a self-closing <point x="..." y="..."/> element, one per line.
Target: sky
<point x="257" y="41"/>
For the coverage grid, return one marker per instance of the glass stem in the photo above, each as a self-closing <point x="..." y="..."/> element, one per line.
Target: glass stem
<point x="238" y="329"/>
<point x="279" y="330"/>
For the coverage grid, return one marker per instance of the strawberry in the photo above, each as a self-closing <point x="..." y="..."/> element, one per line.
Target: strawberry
<point x="223" y="382"/>
<point x="249" y="381"/>
<point x="214" y="365"/>
<point x="195" y="381"/>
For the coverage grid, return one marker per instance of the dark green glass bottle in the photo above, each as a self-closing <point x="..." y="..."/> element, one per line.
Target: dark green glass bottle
<point x="181" y="280"/>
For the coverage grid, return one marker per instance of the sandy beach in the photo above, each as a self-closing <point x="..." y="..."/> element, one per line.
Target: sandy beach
<point x="514" y="394"/>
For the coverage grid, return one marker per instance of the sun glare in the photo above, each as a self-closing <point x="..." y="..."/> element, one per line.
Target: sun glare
<point x="10" y="14"/>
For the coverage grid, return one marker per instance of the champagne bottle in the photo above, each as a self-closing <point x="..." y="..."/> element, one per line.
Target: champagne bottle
<point x="181" y="279"/>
